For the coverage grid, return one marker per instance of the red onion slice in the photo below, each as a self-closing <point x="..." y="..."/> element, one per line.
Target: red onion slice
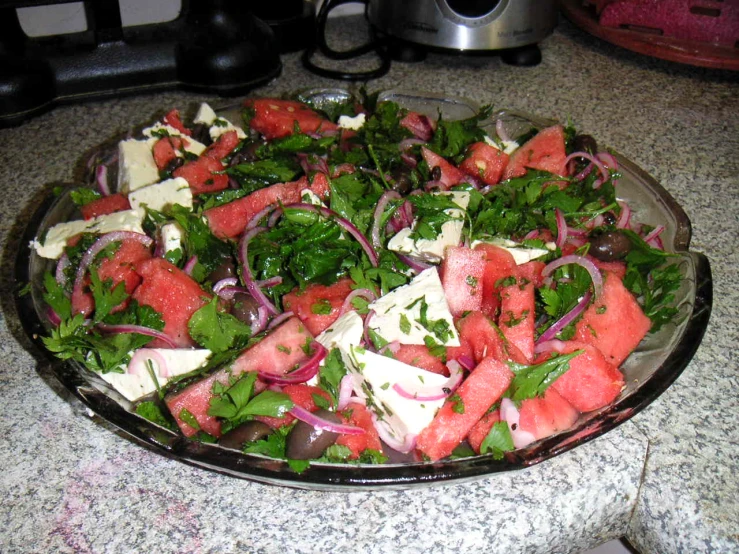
<point x="393" y="347"/>
<point x="137" y="365"/>
<point x="319" y="423"/>
<point x="501" y="132"/>
<point x="403" y="446"/>
<point x="409" y="160"/>
<point x="365" y="334"/>
<point x="566" y="319"/>
<point x="406" y="144"/>
<point x="466" y="362"/>
<point x="306" y="371"/>
<point x="624" y="220"/>
<point x="227" y="282"/>
<point x="589" y="266"/>
<point x="656" y="232"/>
<point x="247" y="275"/>
<point x="377" y="216"/>
<point x="140" y="329"/>
<point x="509" y="413"/>
<point x="593" y="159"/>
<point x="552" y="345"/>
<point x="415" y="265"/>
<point x="608" y="159"/>
<point x="429" y="394"/>
<point x="346" y="388"/>
<point x="190" y="265"/>
<point x="347" y="306"/>
<point x="101" y="178"/>
<point x="60" y="275"/>
<point x="562" y="228"/>
<point x="260" y="324"/>
<point x="261" y="214"/>
<point x="280" y="319"/>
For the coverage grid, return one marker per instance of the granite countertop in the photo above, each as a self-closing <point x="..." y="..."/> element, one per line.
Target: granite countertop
<point x="667" y="479"/>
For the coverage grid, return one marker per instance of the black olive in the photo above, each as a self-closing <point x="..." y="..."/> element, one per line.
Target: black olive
<point x="305" y="442"/>
<point x="246" y="432"/>
<point x="201" y="133"/>
<point x="245" y="308"/>
<point x="609" y="218"/>
<point x="584" y="143"/>
<point x="436" y="173"/>
<point x="173" y="164"/>
<point x="400" y="180"/>
<point x="224" y="271"/>
<point x="609" y="246"/>
<point x="247" y="154"/>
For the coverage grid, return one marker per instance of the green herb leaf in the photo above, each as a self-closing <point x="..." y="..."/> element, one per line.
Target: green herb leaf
<point x="498" y="441"/>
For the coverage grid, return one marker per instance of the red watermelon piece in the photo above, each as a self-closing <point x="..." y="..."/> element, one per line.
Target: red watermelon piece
<point x="359" y="416"/>
<point x="279" y="118"/>
<point x="277" y="353"/>
<point x="546" y="415"/>
<point x="614" y="323"/>
<point x="462" y="272"/>
<point x="418" y="355"/>
<point x="230" y="220"/>
<point x="223" y="146"/>
<point x="173" y="120"/>
<point x="166" y="149"/>
<point x="545" y="151"/>
<point x="499" y="264"/>
<point x="450" y="175"/>
<point x="105" y="205"/>
<point x="482" y="388"/>
<point x="591" y="382"/>
<point x="481" y="429"/>
<point x="310" y="304"/>
<point x="422" y="126"/>
<point x="517" y="316"/>
<point x="485" y="162"/>
<point x="487" y="340"/>
<point x="203" y="175"/>
<point x="172" y="293"/>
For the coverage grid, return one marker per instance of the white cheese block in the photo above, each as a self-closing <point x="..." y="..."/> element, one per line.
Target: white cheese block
<point x="178" y="362"/>
<point x="172" y="234"/>
<point x="162" y="195"/>
<point x="509" y="146"/>
<point x="309" y="197"/>
<point x="205" y="115"/>
<point x="402" y="307"/>
<point x="344" y="333"/>
<point x="136" y="166"/>
<point x="354" y="123"/>
<point x="56" y="238"/>
<point x="433" y="250"/>
<point x="521" y="254"/>
<point x="191" y="145"/>
<point x="373" y="378"/>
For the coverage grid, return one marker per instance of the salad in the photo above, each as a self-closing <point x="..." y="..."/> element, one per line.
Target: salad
<point x="353" y="281"/>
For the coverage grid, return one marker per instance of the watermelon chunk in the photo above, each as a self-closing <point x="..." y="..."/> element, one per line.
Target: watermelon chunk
<point x="279" y="118"/>
<point x="487" y="340"/>
<point x="173" y="120"/>
<point x="517" y="316"/>
<point x="591" y="382"/>
<point x="450" y="175"/>
<point x="203" y="175"/>
<point x="485" y="162"/>
<point x="543" y="416"/>
<point x="302" y="395"/>
<point x="454" y="420"/>
<point x="105" y="205"/>
<point x="462" y="272"/>
<point x="499" y="264"/>
<point x="223" y="146"/>
<point x="481" y="429"/>
<point x="318" y="306"/>
<point x="545" y="151"/>
<point x="422" y="126"/>
<point x="230" y="220"/>
<point x="418" y="355"/>
<point x="166" y="149"/>
<point x="172" y="293"/>
<point x="359" y="416"/>
<point x="614" y="323"/>
<point x="277" y="353"/>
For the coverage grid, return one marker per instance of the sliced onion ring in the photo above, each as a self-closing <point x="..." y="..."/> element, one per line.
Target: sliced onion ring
<point x="562" y="228"/>
<point x="566" y="319"/>
<point x="377" y="216"/>
<point x="367" y="294"/>
<point x="137" y="365"/>
<point x="346" y="388"/>
<point x="589" y="266"/>
<point x="100" y="244"/>
<point x="249" y="280"/>
<point x="306" y="371"/>
<point x="510" y="414"/>
<point x="140" y="329"/>
<point x="403" y="446"/>
<point x="429" y="394"/>
<point x="319" y="423"/>
<point x="593" y="159"/>
<point x="624" y="220"/>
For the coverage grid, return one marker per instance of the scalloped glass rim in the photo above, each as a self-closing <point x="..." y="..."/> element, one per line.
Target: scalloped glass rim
<point x="658" y="361"/>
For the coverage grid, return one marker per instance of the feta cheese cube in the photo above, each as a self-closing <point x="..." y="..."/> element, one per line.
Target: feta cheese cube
<point x="353" y="123"/>
<point x="218" y="125"/>
<point x="205" y="115"/>
<point x="521" y="254"/>
<point x="172" y="234"/>
<point x="136" y="166"/>
<point x="509" y="146"/>
<point x="344" y="333"/>
<point x="56" y="238"/>
<point x="432" y="251"/>
<point x="162" y="195"/>
<point x="397" y="315"/>
<point x="178" y="362"/>
<point x="373" y="378"/>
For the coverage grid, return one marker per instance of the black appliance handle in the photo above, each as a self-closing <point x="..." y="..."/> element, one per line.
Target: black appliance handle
<point x="320" y="44"/>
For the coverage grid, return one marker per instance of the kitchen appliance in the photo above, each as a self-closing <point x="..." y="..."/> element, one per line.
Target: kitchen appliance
<point x="214" y="46"/>
<point x="407" y="30"/>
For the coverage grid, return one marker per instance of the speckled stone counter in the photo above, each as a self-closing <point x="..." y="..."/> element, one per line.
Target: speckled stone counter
<point x="667" y="479"/>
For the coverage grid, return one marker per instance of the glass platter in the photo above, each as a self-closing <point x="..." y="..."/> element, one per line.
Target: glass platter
<point x="653" y="367"/>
